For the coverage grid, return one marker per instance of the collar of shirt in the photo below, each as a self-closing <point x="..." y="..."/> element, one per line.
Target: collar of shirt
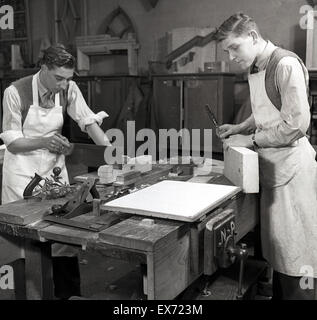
<point x="265" y="56"/>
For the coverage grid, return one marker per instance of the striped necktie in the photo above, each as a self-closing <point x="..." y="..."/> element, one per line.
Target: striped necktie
<point x="48" y="100"/>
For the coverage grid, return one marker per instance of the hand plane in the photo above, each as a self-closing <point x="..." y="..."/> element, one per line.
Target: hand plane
<point x="75" y="206"/>
<point x="52" y="188"/>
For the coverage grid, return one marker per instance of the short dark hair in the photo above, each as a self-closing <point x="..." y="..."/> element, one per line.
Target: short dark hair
<point x="238" y="24"/>
<point x="57" y="56"/>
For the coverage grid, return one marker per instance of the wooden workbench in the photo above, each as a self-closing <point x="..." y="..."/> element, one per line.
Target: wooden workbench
<point x="172" y="252"/>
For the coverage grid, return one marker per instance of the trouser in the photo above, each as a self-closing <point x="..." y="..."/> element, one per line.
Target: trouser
<point x="289" y="288"/>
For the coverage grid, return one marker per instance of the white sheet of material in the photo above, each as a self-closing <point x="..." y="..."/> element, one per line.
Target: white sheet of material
<point x="176" y="200"/>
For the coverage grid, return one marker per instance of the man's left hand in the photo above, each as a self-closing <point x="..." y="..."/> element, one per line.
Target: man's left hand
<point x="238" y="140"/>
<point x="67" y="150"/>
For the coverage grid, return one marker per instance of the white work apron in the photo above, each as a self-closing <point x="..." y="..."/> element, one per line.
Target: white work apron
<point x="288" y="178"/>
<point x="18" y="169"/>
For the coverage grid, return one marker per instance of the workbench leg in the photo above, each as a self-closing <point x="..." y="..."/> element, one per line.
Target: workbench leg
<point x="168" y="269"/>
<point x="149" y="282"/>
<point x="38" y="271"/>
<point x="19" y="279"/>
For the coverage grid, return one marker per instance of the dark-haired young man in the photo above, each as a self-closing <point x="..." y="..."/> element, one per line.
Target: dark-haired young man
<point x="278" y="82"/>
<point x="33" y="116"/>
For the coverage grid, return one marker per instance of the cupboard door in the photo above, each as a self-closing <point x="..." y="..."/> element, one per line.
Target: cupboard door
<point x="167" y="103"/>
<point x="107" y="96"/>
<point x="71" y="129"/>
<point x="197" y="93"/>
<point x="100" y="95"/>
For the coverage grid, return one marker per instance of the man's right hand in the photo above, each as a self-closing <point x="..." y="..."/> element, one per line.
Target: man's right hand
<point x="227" y="130"/>
<point x="57" y="143"/>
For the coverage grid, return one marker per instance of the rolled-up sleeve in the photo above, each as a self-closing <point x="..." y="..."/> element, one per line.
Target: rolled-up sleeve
<point x="79" y="111"/>
<point x="12" y="123"/>
<point x="295" y="110"/>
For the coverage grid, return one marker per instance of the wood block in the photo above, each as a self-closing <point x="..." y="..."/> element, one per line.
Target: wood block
<point x="126" y="176"/>
<point x="242" y="168"/>
<point x="24" y="212"/>
<point x="141" y="163"/>
<point x="104" y="170"/>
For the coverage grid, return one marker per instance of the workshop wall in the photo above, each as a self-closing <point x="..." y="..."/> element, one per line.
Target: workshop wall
<point x="278" y="19"/>
<point x="41" y="24"/>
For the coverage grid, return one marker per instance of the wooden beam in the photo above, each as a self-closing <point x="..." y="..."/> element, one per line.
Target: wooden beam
<point x="38" y="271"/>
<point x="197" y="41"/>
<point x="241" y="167"/>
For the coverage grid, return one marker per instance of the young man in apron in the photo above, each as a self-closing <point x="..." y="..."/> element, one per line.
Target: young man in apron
<point x="33" y="115"/>
<point x="278" y="82"/>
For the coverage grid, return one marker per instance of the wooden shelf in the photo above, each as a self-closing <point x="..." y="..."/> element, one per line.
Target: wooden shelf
<point x="21" y="35"/>
<point x="14" y="39"/>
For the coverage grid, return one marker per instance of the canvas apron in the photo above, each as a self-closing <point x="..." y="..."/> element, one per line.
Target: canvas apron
<point x="288" y="178"/>
<point x="18" y="169"/>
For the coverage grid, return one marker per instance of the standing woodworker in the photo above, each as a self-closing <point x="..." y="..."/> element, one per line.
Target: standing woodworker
<point x="278" y="82"/>
<point x="33" y="115"/>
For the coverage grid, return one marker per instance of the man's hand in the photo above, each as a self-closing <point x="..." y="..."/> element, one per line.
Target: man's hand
<point x="58" y="144"/>
<point x="68" y="151"/>
<point x="238" y="140"/>
<point x="227" y="130"/>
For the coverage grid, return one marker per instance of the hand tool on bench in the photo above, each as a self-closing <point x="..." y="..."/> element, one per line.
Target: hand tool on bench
<point x="52" y="188"/>
<point x="212" y="118"/>
<point x="76" y="206"/>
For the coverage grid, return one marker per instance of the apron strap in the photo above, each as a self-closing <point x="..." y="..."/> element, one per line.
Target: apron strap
<point x="57" y="100"/>
<point x="35" y="91"/>
<point x="35" y="99"/>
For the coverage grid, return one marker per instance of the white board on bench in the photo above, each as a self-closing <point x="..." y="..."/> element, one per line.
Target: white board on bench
<point x="176" y="200"/>
<point x="242" y="168"/>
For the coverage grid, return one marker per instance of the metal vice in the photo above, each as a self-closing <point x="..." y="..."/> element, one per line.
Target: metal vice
<point x="220" y="248"/>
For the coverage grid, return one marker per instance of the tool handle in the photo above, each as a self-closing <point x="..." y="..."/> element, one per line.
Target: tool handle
<point x="94" y="192"/>
<point x="211" y="116"/>
<point x="27" y="193"/>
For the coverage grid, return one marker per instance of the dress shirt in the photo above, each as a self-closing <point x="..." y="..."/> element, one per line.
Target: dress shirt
<point x="76" y="108"/>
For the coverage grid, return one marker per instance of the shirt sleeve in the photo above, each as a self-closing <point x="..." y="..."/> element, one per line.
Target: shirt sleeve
<point x="79" y="111"/>
<point x="295" y="110"/>
<point x="12" y="118"/>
